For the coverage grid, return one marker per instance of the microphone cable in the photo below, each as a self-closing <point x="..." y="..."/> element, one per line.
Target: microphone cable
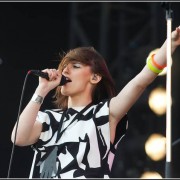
<point x="176" y="142"/>
<point x="13" y="147"/>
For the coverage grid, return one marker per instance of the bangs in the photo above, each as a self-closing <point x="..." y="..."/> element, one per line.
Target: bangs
<point x="86" y="56"/>
<point x="73" y="58"/>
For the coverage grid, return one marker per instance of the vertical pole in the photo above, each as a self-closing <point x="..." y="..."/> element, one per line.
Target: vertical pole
<point x="167" y="6"/>
<point x="168" y="102"/>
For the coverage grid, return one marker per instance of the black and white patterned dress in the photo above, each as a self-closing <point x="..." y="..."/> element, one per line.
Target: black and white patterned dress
<point x="75" y="143"/>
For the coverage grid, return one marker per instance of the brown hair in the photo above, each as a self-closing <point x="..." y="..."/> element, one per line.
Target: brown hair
<point x="89" y="56"/>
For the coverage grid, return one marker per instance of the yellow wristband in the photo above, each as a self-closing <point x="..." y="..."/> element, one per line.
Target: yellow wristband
<point x="152" y="67"/>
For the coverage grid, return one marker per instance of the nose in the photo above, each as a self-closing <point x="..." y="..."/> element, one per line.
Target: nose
<point x="66" y="69"/>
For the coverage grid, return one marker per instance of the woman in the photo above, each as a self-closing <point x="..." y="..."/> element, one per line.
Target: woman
<point x="79" y="138"/>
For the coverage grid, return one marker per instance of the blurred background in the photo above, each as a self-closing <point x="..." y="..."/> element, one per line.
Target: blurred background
<point x="33" y="35"/>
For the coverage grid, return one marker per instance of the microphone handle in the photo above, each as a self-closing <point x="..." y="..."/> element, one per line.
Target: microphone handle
<point x="45" y="75"/>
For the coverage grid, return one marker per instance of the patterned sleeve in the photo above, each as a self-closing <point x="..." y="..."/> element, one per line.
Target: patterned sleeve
<point x="102" y="110"/>
<point x="120" y="133"/>
<point x="43" y="117"/>
<point x="122" y="125"/>
<point x="49" y="120"/>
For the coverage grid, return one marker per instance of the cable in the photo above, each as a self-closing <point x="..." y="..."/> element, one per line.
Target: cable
<point x="176" y="142"/>
<point x="12" y="152"/>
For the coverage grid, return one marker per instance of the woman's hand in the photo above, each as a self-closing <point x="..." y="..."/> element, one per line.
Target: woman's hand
<point x="176" y="37"/>
<point x="47" y="85"/>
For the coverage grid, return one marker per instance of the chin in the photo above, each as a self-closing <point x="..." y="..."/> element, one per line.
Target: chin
<point x="64" y="93"/>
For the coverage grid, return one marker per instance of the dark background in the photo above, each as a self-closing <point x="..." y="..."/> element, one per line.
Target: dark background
<point x="34" y="34"/>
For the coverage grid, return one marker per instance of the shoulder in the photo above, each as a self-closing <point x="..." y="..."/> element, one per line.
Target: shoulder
<point x="46" y="115"/>
<point x="103" y="103"/>
<point x="102" y="108"/>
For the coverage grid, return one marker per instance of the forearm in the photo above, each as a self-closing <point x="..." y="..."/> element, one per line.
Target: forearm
<point x="160" y="56"/>
<point x="27" y="120"/>
<point x="25" y="123"/>
<point x="126" y="98"/>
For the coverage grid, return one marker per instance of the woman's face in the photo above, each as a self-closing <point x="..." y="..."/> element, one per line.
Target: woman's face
<point x="80" y="76"/>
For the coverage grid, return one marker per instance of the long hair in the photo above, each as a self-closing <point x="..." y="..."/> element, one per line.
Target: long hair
<point x="104" y="89"/>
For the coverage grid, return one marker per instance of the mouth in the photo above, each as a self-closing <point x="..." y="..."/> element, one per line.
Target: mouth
<point x="68" y="79"/>
<point x="64" y="80"/>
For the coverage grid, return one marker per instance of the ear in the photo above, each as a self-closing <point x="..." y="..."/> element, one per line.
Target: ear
<point x="95" y="78"/>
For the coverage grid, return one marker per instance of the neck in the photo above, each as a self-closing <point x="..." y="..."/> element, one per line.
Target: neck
<point x="78" y="102"/>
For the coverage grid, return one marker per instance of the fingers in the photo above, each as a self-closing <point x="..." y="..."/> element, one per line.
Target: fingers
<point x="52" y="73"/>
<point x="176" y="34"/>
<point x="178" y="29"/>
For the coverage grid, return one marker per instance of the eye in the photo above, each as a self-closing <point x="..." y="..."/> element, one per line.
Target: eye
<point x="76" y="65"/>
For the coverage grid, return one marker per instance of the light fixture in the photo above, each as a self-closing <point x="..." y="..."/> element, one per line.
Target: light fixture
<point x="151" y="175"/>
<point x="155" y="147"/>
<point x="157" y="100"/>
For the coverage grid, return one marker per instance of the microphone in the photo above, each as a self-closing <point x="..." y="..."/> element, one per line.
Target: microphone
<point x="39" y="73"/>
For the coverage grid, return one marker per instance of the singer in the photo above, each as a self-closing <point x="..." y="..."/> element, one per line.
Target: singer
<point x="78" y="139"/>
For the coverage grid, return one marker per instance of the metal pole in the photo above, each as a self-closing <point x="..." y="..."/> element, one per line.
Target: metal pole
<point x="167" y="6"/>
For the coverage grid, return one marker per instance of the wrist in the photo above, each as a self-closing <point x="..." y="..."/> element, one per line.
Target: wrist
<point x="153" y="65"/>
<point x="174" y="45"/>
<point x="37" y="98"/>
<point x="41" y="91"/>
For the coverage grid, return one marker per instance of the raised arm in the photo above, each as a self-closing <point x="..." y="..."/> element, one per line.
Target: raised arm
<point x="29" y="129"/>
<point x="121" y="104"/>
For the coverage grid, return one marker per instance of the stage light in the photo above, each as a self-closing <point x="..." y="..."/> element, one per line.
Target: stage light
<point x="157" y="100"/>
<point x="151" y="175"/>
<point x="155" y="147"/>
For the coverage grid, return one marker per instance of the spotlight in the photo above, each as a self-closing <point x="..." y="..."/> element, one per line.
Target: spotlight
<point x="157" y="100"/>
<point x="155" y="147"/>
<point x="151" y="175"/>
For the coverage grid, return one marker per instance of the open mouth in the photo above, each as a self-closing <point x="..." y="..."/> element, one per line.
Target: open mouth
<point x="68" y="79"/>
<point x="64" y="80"/>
